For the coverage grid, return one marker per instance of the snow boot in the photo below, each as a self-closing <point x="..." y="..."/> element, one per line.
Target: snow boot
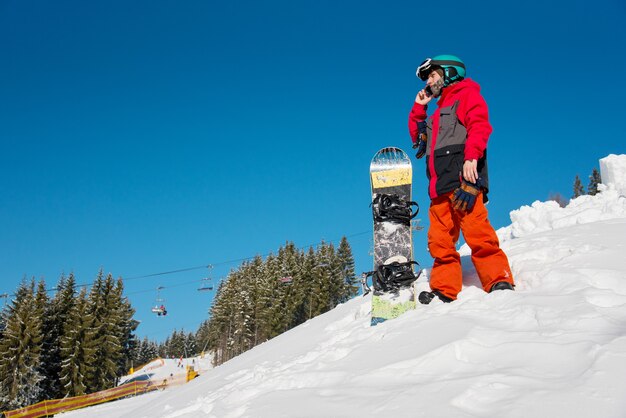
<point x="501" y="286"/>
<point x="426" y="297"/>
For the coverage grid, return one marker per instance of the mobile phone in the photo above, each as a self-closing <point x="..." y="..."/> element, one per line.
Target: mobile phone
<point x="428" y="91"/>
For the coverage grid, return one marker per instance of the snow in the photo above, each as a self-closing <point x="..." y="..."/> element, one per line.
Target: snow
<point x="547" y="216"/>
<point x="174" y="370"/>
<point x="556" y="347"/>
<point x="613" y="172"/>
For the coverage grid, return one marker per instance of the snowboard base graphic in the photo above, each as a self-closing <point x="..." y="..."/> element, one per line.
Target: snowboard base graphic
<point x="391" y="175"/>
<point x="390" y="305"/>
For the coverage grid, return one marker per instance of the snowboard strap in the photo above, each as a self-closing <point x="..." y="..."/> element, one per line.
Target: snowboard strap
<point x="392" y="208"/>
<point x="392" y="276"/>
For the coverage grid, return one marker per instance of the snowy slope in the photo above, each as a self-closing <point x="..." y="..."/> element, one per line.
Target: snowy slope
<point x="172" y="370"/>
<point x="556" y="347"/>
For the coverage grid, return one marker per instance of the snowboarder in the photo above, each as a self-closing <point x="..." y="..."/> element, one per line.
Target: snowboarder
<point x="454" y="141"/>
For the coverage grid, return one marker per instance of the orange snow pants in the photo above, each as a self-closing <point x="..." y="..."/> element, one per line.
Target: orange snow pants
<point x="446" y="223"/>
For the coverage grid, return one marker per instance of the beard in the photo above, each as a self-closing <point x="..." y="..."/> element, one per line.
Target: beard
<point x="437" y="88"/>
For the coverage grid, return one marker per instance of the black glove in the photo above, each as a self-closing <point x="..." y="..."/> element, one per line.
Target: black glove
<point x="464" y="198"/>
<point x="422" y="139"/>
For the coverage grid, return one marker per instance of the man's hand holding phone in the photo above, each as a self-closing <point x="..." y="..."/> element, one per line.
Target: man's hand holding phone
<point x="424" y="96"/>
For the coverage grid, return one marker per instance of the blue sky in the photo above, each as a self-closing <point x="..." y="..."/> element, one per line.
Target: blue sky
<point x="149" y="136"/>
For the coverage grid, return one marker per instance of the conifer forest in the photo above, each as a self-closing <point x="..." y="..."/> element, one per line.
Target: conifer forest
<point x="77" y="339"/>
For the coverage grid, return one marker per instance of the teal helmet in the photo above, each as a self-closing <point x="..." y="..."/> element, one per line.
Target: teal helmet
<point x="452" y="66"/>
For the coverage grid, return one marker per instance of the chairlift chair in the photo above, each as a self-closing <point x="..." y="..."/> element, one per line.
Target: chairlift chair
<point x="159" y="307"/>
<point x="206" y="282"/>
<point x="286" y="279"/>
<point x="159" y="310"/>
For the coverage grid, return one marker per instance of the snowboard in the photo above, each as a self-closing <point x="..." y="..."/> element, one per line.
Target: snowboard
<point x="391" y="179"/>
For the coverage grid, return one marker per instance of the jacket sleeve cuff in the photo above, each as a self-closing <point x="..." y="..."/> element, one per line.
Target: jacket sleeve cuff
<point x="419" y="111"/>
<point x="472" y="154"/>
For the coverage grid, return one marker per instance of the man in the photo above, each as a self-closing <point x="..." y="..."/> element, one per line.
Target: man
<point x="454" y="141"/>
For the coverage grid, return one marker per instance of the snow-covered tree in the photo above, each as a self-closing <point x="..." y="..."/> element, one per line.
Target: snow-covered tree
<point x="176" y="346"/>
<point x="126" y="326"/>
<point x="20" y="350"/>
<point x="264" y="298"/>
<point x="57" y="314"/>
<point x="348" y="276"/>
<point x="219" y="323"/>
<point x="322" y="282"/>
<point x="78" y="348"/>
<point x="164" y="347"/>
<point x="42" y="307"/>
<point x="191" y="348"/>
<point x="148" y="351"/>
<point x="103" y="306"/>
<point x="202" y="336"/>
<point x="309" y="264"/>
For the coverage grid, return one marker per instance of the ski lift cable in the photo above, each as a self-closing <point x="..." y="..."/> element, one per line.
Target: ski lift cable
<point x="165" y="287"/>
<point x="228" y="261"/>
<point x="163" y="273"/>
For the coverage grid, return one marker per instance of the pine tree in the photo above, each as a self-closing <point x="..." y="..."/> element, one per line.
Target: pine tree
<point x="202" y="337"/>
<point x="266" y="285"/>
<point x="148" y="352"/>
<point x="177" y="344"/>
<point x="164" y="349"/>
<point x="264" y="298"/>
<point x="244" y="309"/>
<point x="295" y="296"/>
<point x="3" y="323"/>
<point x="191" y="348"/>
<point x="346" y="261"/>
<point x="57" y="315"/>
<point x="335" y="280"/>
<point x="218" y="317"/>
<point x="234" y="325"/>
<point x="3" y="318"/>
<point x="594" y="180"/>
<point x="102" y="305"/>
<point x="78" y="348"/>
<point x="41" y="299"/>
<point x="310" y="264"/>
<point x="170" y="344"/>
<point x="579" y="190"/>
<point x="142" y="353"/>
<point x="20" y="350"/>
<point x="152" y="351"/>
<point x="126" y="326"/>
<point x="321" y="280"/>
<point x="273" y="314"/>
<point x="42" y="310"/>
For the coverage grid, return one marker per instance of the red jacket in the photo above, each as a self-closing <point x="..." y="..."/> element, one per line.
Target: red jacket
<point x="457" y="131"/>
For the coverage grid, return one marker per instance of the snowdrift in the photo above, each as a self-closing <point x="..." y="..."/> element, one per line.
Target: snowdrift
<point x="556" y="347"/>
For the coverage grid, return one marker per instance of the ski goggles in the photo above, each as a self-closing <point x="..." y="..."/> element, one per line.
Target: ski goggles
<point x="424" y="69"/>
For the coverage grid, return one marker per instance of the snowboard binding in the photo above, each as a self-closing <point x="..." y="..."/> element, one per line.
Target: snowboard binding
<point x="391" y="277"/>
<point x="394" y="209"/>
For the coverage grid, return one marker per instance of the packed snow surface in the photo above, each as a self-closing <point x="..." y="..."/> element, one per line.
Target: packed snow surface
<point x="555" y="347"/>
<point x="172" y="371"/>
